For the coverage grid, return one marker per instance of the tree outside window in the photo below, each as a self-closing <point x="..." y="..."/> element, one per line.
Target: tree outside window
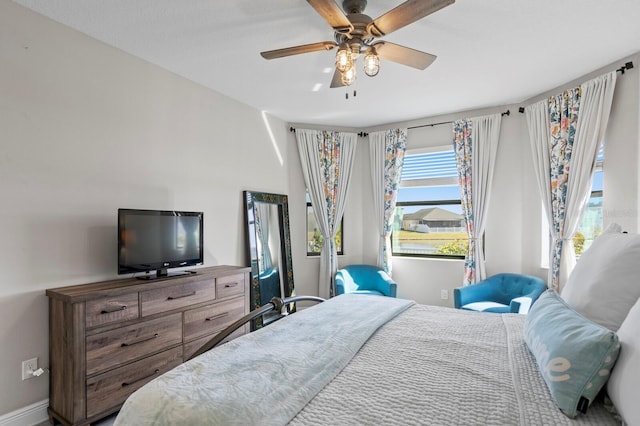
<point x="314" y="237"/>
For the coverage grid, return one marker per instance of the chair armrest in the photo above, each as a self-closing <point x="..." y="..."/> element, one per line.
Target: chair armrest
<point x="457" y="297"/>
<point x="520" y="305"/>
<point x="393" y="289"/>
<point x="386" y="284"/>
<point x="339" y="283"/>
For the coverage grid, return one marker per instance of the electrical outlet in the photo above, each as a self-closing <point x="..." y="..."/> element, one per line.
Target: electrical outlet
<point x="444" y="294"/>
<point x="28" y="367"/>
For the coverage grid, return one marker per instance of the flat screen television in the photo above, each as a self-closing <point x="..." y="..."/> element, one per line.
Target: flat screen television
<point x="159" y="240"/>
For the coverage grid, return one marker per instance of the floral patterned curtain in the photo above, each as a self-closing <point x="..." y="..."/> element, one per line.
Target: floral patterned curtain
<point x="475" y="143"/>
<point x="463" y="149"/>
<point x="387" y="149"/>
<point x="327" y="161"/>
<point x="566" y="131"/>
<point x="563" y="116"/>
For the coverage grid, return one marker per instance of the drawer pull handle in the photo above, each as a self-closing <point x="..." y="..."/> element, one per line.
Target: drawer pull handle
<point x="231" y="285"/>
<point x="215" y="317"/>
<point x="112" y="310"/>
<point x="193" y="293"/>
<point x="156" y="371"/>
<point x="146" y="339"/>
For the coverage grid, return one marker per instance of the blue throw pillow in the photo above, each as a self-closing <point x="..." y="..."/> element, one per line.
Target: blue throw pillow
<point x="574" y="354"/>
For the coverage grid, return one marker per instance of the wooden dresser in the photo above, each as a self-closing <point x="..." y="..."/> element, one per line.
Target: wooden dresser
<point x="107" y="339"/>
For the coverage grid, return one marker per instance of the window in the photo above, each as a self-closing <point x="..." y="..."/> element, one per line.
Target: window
<point x="428" y="220"/>
<point x="314" y="238"/>
<point x="591" y="224"/>
<point x="592" y="219"/>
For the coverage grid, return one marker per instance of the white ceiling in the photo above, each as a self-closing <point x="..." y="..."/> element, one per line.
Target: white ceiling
<point x="490" y="52"/>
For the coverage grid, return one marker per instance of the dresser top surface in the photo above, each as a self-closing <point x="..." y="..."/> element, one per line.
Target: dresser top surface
<point x="82" y="292"/>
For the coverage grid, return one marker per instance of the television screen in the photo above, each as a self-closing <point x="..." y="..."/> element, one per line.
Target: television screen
<point x="158" y="240"/>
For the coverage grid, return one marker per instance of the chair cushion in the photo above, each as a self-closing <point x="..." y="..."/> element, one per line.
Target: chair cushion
<point x="574" y="354"/>
<point x="486" y="307"/>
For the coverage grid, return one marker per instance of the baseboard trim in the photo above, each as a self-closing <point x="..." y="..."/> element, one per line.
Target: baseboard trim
<point x="27" y="416"/>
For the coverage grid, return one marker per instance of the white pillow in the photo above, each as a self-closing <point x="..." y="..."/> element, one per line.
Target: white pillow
<point x="605" y="282"/>
<point x="625" y="376"/>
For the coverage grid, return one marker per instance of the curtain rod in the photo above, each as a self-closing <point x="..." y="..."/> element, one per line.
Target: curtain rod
<point x="363" y="134"/>
<point x="507" y="112"/>
<point x="621" y="70"/>
<point x="625" y="67"/>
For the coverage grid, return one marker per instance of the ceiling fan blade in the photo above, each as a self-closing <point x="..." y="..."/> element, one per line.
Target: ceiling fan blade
<point x="296" y="50"/>
<point x="407" y="13"/>
<point x="403" y="55"/>
<point x="336" y="80"/>
<point x="334" y="16"/>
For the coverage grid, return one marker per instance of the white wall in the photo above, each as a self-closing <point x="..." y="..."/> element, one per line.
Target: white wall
<point x="86" y="129"/>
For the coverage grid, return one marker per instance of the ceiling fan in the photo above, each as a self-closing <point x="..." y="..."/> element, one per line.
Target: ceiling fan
<point x="355" y="33"/>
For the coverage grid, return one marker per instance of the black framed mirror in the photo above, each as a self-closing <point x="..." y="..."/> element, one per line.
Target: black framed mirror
<point x="269" y="251"/>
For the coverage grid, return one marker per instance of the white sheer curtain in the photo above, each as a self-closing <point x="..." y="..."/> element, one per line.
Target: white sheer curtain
<point x="327" y="162"/>
<point x="476" y="144"/>
<point x="386" y="150"/>
<point x="565" y="133"/>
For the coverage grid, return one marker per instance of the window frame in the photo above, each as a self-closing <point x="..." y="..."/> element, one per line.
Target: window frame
<point x="426" y="183"/>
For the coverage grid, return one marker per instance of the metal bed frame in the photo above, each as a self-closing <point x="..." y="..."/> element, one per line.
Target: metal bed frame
<point x="276" y="304"/>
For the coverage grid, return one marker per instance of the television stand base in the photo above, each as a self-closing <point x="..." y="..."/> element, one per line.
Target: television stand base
<point x="164" y="274"/>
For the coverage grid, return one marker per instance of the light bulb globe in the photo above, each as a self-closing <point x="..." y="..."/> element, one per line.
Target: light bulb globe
<point x="371" y="63"/>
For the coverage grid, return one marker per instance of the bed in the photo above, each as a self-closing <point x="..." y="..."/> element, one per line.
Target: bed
<point x="359" y="359"/>
<point x="372" y="360"/>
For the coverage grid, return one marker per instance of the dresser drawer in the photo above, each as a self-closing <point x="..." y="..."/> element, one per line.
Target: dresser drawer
<point x="111" y="309"/>
<point x="109" y="390"/>
<point x="231" y="285"/>
<point x="177" y="296"/>
<point x="111" y="348"/>
<point x="191" y="347"/>
<point x="212" y="318"/>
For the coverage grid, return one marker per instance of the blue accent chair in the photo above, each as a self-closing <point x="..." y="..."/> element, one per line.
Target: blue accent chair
<point x="365" y="279"/>
<point x="269" y="285"/>
<point x="501" y="293"/>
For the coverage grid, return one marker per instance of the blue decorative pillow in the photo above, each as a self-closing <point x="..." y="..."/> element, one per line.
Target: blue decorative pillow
<point x="574" y="354"/>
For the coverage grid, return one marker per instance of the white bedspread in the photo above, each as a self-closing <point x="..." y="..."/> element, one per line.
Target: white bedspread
<point x="441" y="366"/>
<point x="426" y="366"/>
<point x="266" y="377"/>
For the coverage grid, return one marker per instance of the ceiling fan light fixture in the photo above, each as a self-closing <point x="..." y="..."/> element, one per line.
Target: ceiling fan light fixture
<point x="354" y="34"/>
<point x="344" y="58"/>
<point x="349" y="76"/>
<point x="371" y="63"/>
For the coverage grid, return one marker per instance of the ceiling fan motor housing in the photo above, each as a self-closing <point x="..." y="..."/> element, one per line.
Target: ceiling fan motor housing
<point x="354" y="6"/>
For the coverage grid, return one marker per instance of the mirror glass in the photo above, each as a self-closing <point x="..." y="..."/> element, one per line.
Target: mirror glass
<point x="269" y="250"/>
